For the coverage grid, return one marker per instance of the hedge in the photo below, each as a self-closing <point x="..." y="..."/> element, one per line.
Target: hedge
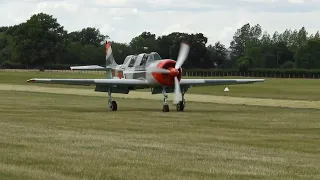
<point x="276" y="73"/>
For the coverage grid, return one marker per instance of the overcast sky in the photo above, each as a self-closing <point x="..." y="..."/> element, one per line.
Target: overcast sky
<point x="124" y="19"/>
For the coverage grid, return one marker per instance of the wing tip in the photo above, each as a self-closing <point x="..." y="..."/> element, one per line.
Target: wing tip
<point x="31" y="80"/>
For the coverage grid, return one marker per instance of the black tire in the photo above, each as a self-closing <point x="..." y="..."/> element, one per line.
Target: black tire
<point x="180" y="106"/>
<point x="165" y="108"/>
<point x="114" y="106"/>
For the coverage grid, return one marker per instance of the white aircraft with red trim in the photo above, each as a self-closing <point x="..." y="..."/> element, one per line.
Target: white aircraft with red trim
<point x="144" y="71"/>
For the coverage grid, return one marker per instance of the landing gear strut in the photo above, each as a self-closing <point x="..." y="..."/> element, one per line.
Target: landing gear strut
<point x="181" y="104"/>
<point x="165" y="104"/>
<point x="112" y="104"/>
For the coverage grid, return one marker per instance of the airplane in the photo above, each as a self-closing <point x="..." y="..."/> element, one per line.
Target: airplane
<point x="145" y="70"/>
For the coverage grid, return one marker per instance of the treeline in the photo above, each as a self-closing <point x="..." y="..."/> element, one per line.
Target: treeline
<point x="41" y="42"/>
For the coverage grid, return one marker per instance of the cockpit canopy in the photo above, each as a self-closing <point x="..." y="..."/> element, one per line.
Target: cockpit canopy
<point x="155" y="56"/>
<point x="141" y="59"/>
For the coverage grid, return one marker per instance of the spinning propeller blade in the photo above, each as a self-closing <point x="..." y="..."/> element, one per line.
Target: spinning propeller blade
<point x="183" y="54"/>
<point x="177" y="91"/>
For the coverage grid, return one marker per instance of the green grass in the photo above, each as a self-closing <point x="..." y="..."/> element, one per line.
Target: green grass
<point x="298" y="89"/>
<point x="50" y="136"/>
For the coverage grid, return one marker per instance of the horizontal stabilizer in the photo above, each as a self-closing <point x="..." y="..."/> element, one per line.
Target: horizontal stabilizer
<point x="89" y="68"/>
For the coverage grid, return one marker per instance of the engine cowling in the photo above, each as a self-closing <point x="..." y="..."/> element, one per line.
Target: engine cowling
<point x="167" y="79"/>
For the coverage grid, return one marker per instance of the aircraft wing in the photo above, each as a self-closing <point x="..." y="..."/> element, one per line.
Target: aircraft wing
<point x="88" y="68"/>
<point x="208" y="82"/>
<point x="91" y="81"/>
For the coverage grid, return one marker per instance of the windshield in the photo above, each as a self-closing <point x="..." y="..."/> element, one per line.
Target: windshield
<point x="156" y="57"/>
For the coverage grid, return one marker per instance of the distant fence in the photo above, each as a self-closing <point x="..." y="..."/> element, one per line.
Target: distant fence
<point x="206" y="73"/>
<point x="52" y="71"/>
<point x="311" y="75"/>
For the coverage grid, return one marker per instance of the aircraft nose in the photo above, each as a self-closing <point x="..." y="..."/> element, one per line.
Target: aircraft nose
<point x="173" y="72"/>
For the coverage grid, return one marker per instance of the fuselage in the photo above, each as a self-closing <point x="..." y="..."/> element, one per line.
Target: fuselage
<point x="143" y="62"/>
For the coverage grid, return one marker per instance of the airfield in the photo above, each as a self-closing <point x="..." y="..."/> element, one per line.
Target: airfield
<point x="265" y="130"/>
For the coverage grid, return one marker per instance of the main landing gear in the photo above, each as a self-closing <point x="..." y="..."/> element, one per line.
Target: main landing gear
<point x="165" y="104"/>
<point x="112" y="104"/>
<point x="180" y="105"/>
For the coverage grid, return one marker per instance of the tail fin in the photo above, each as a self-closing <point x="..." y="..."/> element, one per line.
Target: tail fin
<point x="110" y="62"/>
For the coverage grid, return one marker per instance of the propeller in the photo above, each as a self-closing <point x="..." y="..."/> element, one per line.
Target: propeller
<point x="183" y="54"/>
<point x="177" y="91"/>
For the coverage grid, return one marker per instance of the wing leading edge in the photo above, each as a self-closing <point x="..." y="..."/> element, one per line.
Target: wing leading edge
<point x="206" y="82"/>
<point x="143" y="83"/>
<point x="90" y="81"/>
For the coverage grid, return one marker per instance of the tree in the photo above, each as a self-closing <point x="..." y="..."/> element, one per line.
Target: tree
<point x="6" y="48"/>
<point x="243" y="63"/>
<point x="88" y="36"/>
<point x="198" y="49"/>
<point x="164" y="44"/>
<point x="245" y="38"/>
<point x="266" y="39"/>
<point x="317" y="35"/>
<point x="39" y="40"/>
<point x="3" y="29"/>
<point x="216" y="54"/>
<point x="308" y="56"/>
<point x="145" y="42"/>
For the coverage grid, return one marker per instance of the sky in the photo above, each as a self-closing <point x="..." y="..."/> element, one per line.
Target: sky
<point x="122" y="20"/>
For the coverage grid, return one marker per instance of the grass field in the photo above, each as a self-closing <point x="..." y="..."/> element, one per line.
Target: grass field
<point x="56" y="135"/>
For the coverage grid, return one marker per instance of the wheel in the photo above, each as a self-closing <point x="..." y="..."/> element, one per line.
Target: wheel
<point x="113" y="106"/>
<point x="165" y="108"/>
<point x="180" y="106"/>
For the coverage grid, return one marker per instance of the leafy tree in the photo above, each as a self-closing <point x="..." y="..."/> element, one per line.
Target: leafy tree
<point x="145" y="42"/>
<point x="266" y="39"/>
<point x="3" y="29"/>
<point x="217" y="54"/>
<point x="88" y="36"/>
<point x="245" y="38"/>
<point x="308" y="56"/>
<point x="317" y="35"/>
<point x="243" y="63"/>
<point x="197" y="52"/>
<point x="164" y="45"/>
<point x="39" y="40"/>
<point x="6" y="47"/>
